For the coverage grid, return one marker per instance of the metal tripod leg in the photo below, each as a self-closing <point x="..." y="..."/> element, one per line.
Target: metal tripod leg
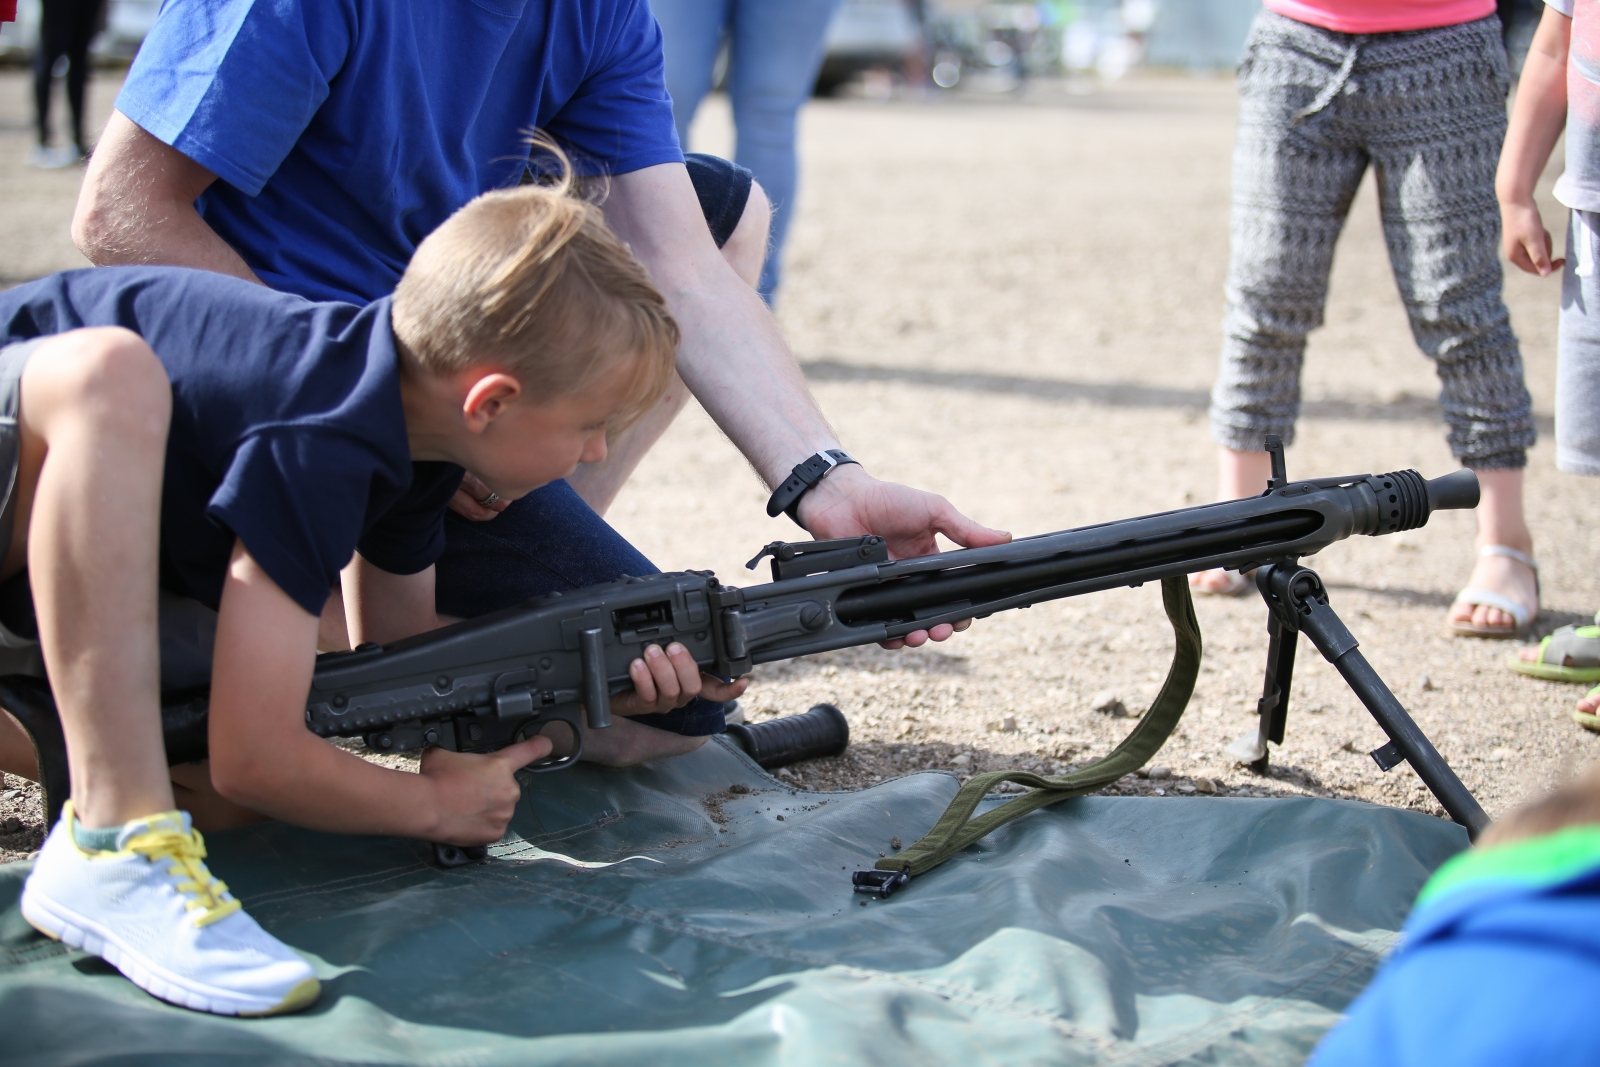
<point x="1273" y="707"/>
<point x="1298" y="601"/>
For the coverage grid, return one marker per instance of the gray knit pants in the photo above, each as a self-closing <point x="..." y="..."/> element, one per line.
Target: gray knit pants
<point x="1426" y="109"/>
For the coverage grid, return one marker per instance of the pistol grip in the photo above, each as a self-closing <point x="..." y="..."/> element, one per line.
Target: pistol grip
<point x="596" y="687"/>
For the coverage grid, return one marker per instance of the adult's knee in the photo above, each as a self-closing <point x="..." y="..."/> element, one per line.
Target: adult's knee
<point x="746" y="248"/>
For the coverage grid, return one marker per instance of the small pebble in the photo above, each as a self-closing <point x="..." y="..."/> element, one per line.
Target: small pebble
<point x="1008" y="725"/>
<point x="1160" y="772"/>
<point x="963" y="760"/>
<point x="10" y="825"/>
<point x="738" y="787"/>
<point x="894" y="842"/>
<point x="780" y="818"/>
<point x="863" y="903"/>
<point x="1425" y="683"/>
<point x="1185" y="788"/>
<point x="881" y="855"/>
<point x="1108" y="703"/>
<point x="1205" y="785"/>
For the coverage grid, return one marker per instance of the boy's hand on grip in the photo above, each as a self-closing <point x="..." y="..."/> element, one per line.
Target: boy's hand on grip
<point x="664" y="679"/>
<point x="476" y="794"/>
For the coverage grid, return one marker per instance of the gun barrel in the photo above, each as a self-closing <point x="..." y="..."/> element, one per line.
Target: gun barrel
<point x="901" y="598"/>
<point x="1457" y="491"/>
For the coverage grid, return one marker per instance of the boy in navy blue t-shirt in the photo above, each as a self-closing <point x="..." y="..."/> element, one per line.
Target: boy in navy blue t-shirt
<point x="175" y="433"/>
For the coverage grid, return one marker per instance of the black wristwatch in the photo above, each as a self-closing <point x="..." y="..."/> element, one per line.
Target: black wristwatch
<point x="785" y="500"/>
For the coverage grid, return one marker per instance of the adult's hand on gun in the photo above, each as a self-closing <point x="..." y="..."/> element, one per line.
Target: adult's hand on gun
<point x="664" y="679"/>
<point x="1527" y="242"/>
<point x="849" y="502"/>
<point x="476" y="794"/>
<point x="469" y="500"/>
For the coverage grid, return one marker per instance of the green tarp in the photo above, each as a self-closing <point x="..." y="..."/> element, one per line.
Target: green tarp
<point x="1103" y="930"/>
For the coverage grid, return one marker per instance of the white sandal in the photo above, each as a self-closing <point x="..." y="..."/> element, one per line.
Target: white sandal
<point x="1520" y="613"/>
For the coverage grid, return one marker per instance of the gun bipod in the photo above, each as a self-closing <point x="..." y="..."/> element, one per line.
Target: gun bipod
<point x="1297" y="602"/>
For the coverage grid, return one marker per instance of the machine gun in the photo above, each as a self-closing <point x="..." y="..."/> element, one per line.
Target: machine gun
<point x="486" y="682"/>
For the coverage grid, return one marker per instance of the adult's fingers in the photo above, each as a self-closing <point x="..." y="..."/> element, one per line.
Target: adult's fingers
<point x="467" y="506"/>
<point x="964" y="531"/>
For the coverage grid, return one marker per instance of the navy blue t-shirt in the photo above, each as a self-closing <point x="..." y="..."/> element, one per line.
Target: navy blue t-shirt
<point x="287" y="427"/>
<point x="344" y="131"/>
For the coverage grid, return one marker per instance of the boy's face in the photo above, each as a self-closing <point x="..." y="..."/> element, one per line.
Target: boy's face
<point x="523" y="442"/>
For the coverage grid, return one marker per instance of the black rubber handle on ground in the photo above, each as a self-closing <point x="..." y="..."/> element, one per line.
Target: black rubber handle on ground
<point x="821" y="731"/>
<point x="1457" y="491"/>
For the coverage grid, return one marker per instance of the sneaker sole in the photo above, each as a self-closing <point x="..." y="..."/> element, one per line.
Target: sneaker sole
<point x="61" y="924"/>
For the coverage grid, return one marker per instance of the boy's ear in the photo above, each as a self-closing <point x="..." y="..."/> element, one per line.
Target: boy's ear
<point x="487" y="399"/>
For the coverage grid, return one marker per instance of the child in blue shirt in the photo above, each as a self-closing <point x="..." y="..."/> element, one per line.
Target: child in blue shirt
<point x="183" y="433"/>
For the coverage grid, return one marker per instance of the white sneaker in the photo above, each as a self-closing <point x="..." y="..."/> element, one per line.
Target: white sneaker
<point x="152" y="910"/>
<point x="46" y="158"/>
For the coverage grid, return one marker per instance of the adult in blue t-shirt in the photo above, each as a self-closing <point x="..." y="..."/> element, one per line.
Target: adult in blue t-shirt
<point x="311" y="144"/>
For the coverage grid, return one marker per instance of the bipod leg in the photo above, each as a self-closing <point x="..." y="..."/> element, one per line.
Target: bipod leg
<point x="1273" y="707"/>
<point x="1296" y="595"/>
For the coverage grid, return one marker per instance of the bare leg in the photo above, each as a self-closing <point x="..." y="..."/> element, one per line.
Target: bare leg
<point x="1239" y="474"/>
<point x="598" y="484"/>
<point x="96" y="405"/>
<point x="625" y="743"/>
<point x="1500" y="522"/>
<point x="16" y="751"/>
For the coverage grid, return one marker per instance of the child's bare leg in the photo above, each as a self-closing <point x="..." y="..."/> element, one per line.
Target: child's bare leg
<point x="1500" y="522"/>
<point x="16" y="751"/>
<point x="96" y="404"/>
<point x="1239" y="474"/>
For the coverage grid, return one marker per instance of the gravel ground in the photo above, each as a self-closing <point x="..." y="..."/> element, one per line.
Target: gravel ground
<point x="1016" y="303"/>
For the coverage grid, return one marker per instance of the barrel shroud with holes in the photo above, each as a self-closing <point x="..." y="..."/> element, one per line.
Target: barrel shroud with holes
<point x="481" y="684"/>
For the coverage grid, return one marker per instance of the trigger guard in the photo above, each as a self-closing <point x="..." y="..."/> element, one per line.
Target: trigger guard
<point x="575" y="725"/>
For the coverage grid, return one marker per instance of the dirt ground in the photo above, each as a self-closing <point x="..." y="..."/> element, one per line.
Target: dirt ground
<point x="1016" y="303"/>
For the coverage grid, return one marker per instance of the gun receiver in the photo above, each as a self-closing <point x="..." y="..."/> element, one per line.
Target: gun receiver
<point x="483" y="683"/>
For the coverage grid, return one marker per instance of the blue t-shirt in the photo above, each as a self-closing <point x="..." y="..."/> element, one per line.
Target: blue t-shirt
<point x="344" y="131"/>
<point x="1499" y="965"/>
<point x="287" y="428"/>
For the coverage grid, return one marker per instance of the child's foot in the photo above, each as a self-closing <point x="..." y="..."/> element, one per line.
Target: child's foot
<point x="1587" y="713"/>
<point x="1219" y="582"/>
<point x="151" y="909"/>
<point x="1501" y="598"/>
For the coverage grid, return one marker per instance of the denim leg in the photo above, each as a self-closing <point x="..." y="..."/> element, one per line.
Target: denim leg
<point x="691" y="34"/>
<point x="549" y="541"/>
<point x="775" y="53"/>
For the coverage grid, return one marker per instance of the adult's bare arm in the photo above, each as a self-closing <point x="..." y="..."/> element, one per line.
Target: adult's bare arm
<point x="736" y="363"/>
<point x="137" y="206"/>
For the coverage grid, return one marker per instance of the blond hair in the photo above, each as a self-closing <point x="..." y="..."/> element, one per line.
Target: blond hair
<point x="533" y="280"/>
<point x="1573" y="804"/>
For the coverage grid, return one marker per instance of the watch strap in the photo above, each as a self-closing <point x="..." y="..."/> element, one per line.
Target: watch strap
<point x="785" y="500"/>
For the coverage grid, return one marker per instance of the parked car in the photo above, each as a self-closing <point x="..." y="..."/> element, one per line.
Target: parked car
<point x="867" y="35"/>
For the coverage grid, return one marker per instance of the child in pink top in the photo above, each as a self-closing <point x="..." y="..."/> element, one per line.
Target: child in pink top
<point x="1381" y="16"/>
<point x="1415" y="91"/>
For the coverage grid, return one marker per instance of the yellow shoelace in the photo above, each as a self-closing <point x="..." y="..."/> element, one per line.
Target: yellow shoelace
<point x="187" y="851"/>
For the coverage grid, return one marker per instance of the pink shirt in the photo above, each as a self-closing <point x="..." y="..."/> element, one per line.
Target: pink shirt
<point x="1381" y="16"/>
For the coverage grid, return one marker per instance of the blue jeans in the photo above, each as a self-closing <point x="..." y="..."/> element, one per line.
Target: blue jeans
<point x="549" y="541"/>
<point x="775" y="49"/>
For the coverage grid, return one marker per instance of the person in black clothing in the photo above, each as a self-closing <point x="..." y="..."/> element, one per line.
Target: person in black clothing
<point x="65" y="30"/>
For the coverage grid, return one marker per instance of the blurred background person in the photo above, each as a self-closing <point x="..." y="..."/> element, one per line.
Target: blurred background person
<point x="775" y="48"/>
<point x="1417" y="92"/>
<point x="65" y="29"/>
